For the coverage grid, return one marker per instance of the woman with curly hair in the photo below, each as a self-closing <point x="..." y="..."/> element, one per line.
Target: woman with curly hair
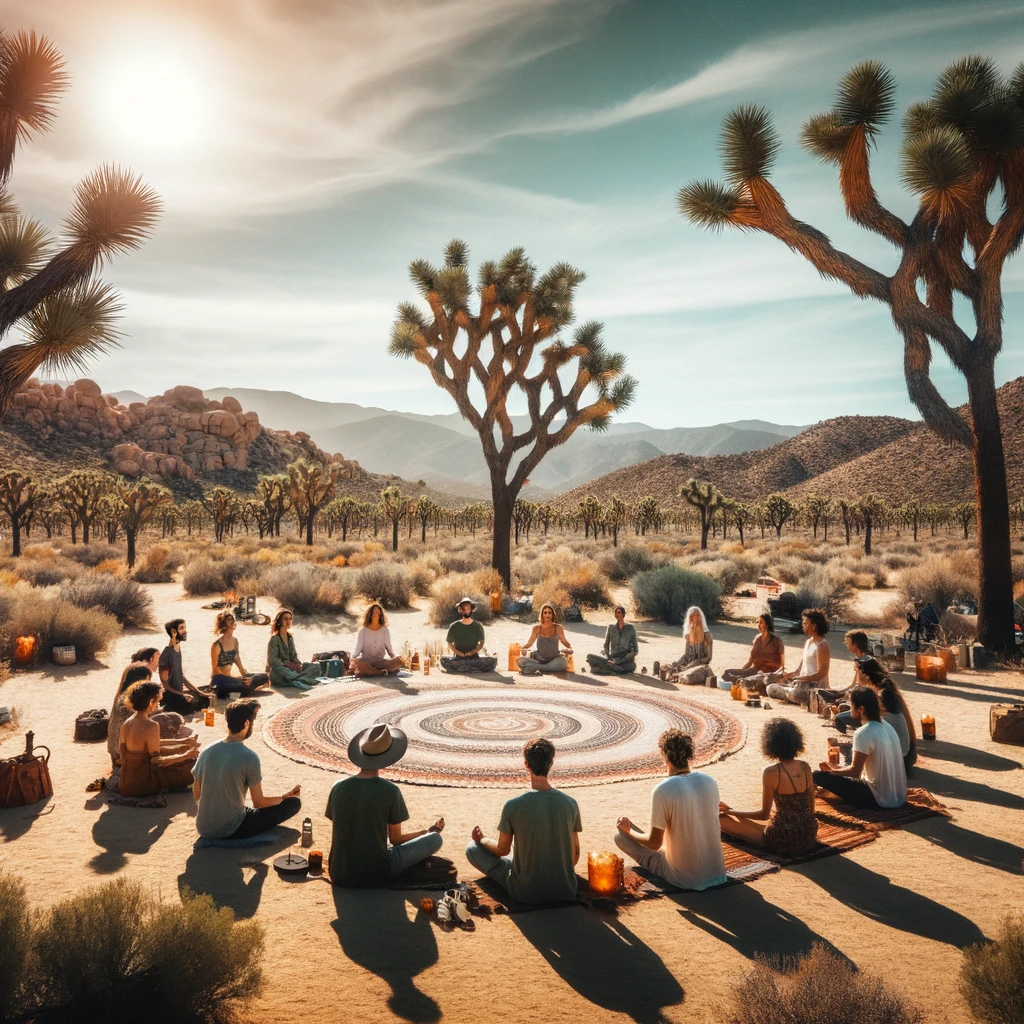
<point x="148" y="764"/>
<point x="795" y="687"/>
<point x="373" y="654"/>
<point x="787" y="797"/>
<point x="282" y="658"/>
<point x="224" y="656"/>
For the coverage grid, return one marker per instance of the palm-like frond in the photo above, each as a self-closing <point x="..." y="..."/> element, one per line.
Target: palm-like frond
<point x="113" y="212"/>
<point x="486" y="275"/>
<point x="456" y="253"/>
<point x="453" y="288"/>
<point x="999" y="124"/>
<point x="404" y="339"/>
<point x="424" y="276"/>
<point x="826" y="135"/>
<point x="866" y="95"/>
<point x="963" y="89"/>
<point x="937" y="165"/>
<point x="24" y="247"/>
<point x="588" y="335"/>
<point x="624" y="392"/>
<point x="749" y="143"/>
<point x="921" y="117"/>
<point x="1016" y="85"/>
<point x="70" y="326"/>
<point x="409" y="312"/>
<point x="708" y="204"/>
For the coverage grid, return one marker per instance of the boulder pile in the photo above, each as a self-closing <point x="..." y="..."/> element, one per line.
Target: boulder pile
<point x="180" y="433"/>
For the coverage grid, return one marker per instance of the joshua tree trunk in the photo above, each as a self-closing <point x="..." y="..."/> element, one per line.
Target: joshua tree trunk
<point x="503" y="499"/>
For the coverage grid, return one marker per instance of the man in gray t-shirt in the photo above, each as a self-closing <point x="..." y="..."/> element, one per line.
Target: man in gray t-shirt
<point x="545" y="826"/>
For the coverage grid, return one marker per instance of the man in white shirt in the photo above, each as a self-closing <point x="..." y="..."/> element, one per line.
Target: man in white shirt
<point x="877" y="777"/>
<point x="684" y="820"/>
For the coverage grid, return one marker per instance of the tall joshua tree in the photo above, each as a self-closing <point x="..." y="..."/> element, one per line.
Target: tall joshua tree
<point x="311" y="486"/>
<point x="18" y="496"/>
<point x="707" y="499"/>
<point x="47" y="290"/>
<point x="139" y="500"/>
<point x="961" y="149"/>
<point x="511" y="344"/>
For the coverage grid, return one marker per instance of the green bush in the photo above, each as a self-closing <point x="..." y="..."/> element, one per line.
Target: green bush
<point x="215" y="575"/>
<point x="992" y="976"/>
<point x="15" y="938"/>
<point x="819" y="988"/>
<point x="665" y="594"/>
<point x="625" y="562"/>
<point x="57" y="622"/>
<point x="309" y="589"/>
<point x="125" y="599"/>
<point x="387" y="582"/>
<point x="444" y="601"/>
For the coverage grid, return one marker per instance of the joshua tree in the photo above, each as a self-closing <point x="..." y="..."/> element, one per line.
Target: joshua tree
<point x="65" y="314"/>
<point x="963" y="514"/>
<point x="740" y="513"/>
<point x="962" y="150"/>
<point x="615" y="515"/>
<point x="224" y="505"/>
<point x="523" y="513"/>
<point x="870" y="509"/>
<point x="646" y="515"/>
<point x="81" y="495"/>
<point x="707" y="499"/>
<point x="396" y="507"/>
<point x="18" y="495"/>
<point x="817" y="508"/>
<point x="590" y="512"/>
<point x="139" y="500"/>
<point x="778" y="510"/>
<point x="912" y="512"/>
<point x="310" y="487"/>
<point x="426" y="511"/>
<point x="511" y="342"/>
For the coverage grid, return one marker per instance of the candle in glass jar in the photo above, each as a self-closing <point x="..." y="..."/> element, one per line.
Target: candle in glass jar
<point x="604" y="872"/>
<point x="208" y="714"/>
<point x="928" y="727"/>
<point x="833" y="756"/>
<point x="316" y="860"/>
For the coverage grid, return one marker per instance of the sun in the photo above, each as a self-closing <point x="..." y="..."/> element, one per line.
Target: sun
<point x="156" y="101"/>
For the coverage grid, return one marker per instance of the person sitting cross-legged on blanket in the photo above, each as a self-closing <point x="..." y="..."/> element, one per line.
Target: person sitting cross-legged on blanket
<point x="373" y="654"/>
<point x="694" y="667"/>
<point x="541" y="830"/>
<point x="877" y="777"/>
<point x="282" y="658"/>
<point x="547" y="634"/>
<point x="224" y="656"/>
<point x="225" y="771"/>
<point x="767" y="660"/>
<point x="368" y="811"/>
<point x="150" y="765"/>
<point x="620" y="648"/>
<point x="684" y="820"/>
<point x="787" y="796"/>
<point x="179" y="694"/>
<point x="465" y="641"/>
<point x="795" y="687"/>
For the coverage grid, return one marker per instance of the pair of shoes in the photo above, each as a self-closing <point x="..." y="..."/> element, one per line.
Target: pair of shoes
<point x="454" y="905"/>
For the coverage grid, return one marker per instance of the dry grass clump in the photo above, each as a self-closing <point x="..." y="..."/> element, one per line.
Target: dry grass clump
<point x="125" y="599"/>
<point x="790" y="569"/>
<point x="214" y="576"/>
<point x="624" y="563"/>
<point x="445" y="599"/>
<point x="157" y="564"/>
<point x="309" y="589"/>
<point x="665" y="594"/>
<point x="957" y="628"/>
<point x="386" y="582"/>
<point x="992" y="975"/>
<point x="939" y="580"/>
<point x="870" y="571"/>
<point x="57" y="622"/>
<point x="92" y="554"/>
<point x="729" y="569"/>
<point x="578" y="582"/>
<point x="828" y="587"/>
<point x="46" y="568"/>
<point x="819" y="988"/>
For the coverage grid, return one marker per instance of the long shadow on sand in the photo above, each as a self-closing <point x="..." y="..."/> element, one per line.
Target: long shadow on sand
<point x="603" y="960"/>
<point x="970" y="757"/>
<point x="740" y="916"/>
<point x="120" y="831"/>
<point x="963" y="789"/>
<point x="16" y="821"/>
<point x="220" y="873"/>
<point x="375" y="932"/>
<point x="875" y="897"/>
<point x="974" y="846"/>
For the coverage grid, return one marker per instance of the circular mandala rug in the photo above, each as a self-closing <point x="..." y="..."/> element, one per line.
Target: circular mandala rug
<point x="472" y="735"/>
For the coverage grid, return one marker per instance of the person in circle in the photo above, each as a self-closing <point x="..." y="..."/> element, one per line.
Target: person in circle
<point x="149" y="765"/>
<point x="283" y="663"/>
<point x="767" y="658"/>
<point x="465" y="641"/>
<point x="619" y="650"/>
<point x="547" y="634"/>
<point x="795" y="687"/>
<point x="225" y="656"/>
<point x="694" y="667"/>
<point x="787" y="797"/>
<point x="374" y="654"/>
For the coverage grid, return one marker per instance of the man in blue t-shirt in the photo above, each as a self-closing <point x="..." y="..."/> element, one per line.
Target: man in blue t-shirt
<point x="225" y="771"/>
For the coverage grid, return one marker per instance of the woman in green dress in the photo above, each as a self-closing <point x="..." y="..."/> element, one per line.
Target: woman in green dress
<point x="283" y="660"/>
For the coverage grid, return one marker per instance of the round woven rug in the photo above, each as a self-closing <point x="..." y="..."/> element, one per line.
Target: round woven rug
<point x="472" y="735"/>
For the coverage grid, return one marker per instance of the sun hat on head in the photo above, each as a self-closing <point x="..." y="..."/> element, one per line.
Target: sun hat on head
<point x="377" y="747"/>
<point x="467" y="600"/>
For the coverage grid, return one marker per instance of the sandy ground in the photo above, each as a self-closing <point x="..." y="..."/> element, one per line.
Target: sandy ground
<point x="902" y="907"/>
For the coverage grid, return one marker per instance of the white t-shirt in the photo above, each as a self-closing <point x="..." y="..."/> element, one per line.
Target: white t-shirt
<point x="686" y="807"/>
<point x="373" y="644"/>
<point x="883" y="771"/>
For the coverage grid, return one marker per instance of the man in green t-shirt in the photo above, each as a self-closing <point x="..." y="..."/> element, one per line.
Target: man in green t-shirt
<point x="545" y="825"/>
<point x="367" y="811"/>
<point x="465" y="641"/>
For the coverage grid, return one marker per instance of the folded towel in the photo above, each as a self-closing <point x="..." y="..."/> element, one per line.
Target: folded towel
<point x="263" y="839"/>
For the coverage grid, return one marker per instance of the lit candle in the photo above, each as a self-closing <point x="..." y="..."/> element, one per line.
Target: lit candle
<point x="604" y="872"/>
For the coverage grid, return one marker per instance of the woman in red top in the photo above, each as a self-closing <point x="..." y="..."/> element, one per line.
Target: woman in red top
<point x="767" y="658"/>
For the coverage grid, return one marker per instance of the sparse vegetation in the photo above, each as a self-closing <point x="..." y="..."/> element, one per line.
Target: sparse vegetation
<point x="387" y="582"/>
<point x="443" y="608"/>
<point x="57" y="622"/>
<point x="665" y="594"/>
<point x="125" y="599"/>
<point x="309" y="589"/>
<point x="992" y="976"/>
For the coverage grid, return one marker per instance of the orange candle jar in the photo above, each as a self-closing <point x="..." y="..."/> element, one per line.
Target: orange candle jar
<point x="414" y="664"/>
<point x="208" y="716"/>
<point x="604" y="872"/>
<point x="928" y="727"/>
<point x="736" y="690"/>
<point x="514" y="650"/>
<point x="426" y="664"/>
<point x="570" y="662"/>
<point x="25" y="648"/>
<point x="315" y="858"/>
<point x="495" y="602"/>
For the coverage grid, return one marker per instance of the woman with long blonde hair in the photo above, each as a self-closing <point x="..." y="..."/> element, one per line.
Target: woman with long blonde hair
<point x="373" y="654"/>
<point x="694" y="667"/>
<point x="547" y="635"/>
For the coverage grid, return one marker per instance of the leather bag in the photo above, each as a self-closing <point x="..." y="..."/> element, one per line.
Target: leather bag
<point x="1006" y="723"/>
<point x="25" y="779"/>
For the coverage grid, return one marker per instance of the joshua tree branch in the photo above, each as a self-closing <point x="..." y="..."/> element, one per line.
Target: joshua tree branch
<point x="862" y="203"/>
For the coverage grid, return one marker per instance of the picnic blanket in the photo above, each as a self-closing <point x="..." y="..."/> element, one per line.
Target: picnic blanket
<point x="434" y="873"/>
<point x="920" y="805"/>
<point x="263" y="839"/>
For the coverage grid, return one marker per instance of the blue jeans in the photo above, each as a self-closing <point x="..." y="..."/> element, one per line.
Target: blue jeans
<point x="410" y="853"/>
<point x="844" y="720"/>
<point x="494" y="867"/>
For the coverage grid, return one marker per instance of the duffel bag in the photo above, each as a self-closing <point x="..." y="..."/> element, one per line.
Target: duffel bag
<point x="25" y="779"/>
<point x="1006" y="723"/>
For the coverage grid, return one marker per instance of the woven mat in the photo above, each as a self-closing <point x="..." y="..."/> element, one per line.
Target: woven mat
<point x="434" y="873"/>
<point x="920" y="805"/>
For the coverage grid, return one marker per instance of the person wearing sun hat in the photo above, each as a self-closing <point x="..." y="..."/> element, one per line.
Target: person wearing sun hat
<point x="465" y="641"/>
<point x="368" y="811"/>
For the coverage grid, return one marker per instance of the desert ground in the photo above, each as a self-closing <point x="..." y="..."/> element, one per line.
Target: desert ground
<point x="901" y="907"/>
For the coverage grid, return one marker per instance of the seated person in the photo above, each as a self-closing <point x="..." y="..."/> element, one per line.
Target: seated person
<point x="368" y="811"/>
<point x="547" y="635"/>
<point x="373" y="654"/>
<point x="787" y="797"/>
<point x="620" y="648"/>
<point x="540" y="829"/>
<point x="767" y="656"/>
<point x="856" y="641"/>
<point x="225" y="655"/>
<point x="876" y="756"/>
<point x="684" y="819"/>
<point x="894" y="708"/>
<point x="179" y="694"/>
<point x="225" y="771"/>
<point x="795" y="687"/>
<point x="283" y="660"/>
<point x="465" y="641"/>
<point x="147" y="767"/>
<point x="694" y="667"/>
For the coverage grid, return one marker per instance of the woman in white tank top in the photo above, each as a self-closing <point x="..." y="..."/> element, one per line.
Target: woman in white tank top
<point x="795" y="687"/>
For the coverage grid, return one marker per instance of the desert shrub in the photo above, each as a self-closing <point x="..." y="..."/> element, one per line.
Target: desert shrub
<point x="666" y="592"/>
<point x="5" y="671"/>
<point x="92" y="554"/>
<point x="58" y="622"/>
<point x="939" y="580"/>
<point x="308" y="589"/>
<point x="958" y="629"/>
<point x="819" y="988"/>
<point x="625" y="562"/>
<point x="421" y="578"/>
<point x="729" y="571"/>
<point x="488" y="580"/>
<point x="157" y="565"/>
<point x="15" y="938"/>
<point x="214" y="576"/>
<point x="125" y="599"/>
<point x="870" y="569"/>
<point x="992" y="976"/>
<point x="459" y="560"/>
<point x="445" y="598"/>
<point x="828" y="587"/>
<point x="387" y="582"/>
<point x="580" y="582"/>
<point x="48" y="572"/>
<point x="790" y="569"/>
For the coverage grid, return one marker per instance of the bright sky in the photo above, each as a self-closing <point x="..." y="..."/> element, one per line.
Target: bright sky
<point x="308" y="150"/>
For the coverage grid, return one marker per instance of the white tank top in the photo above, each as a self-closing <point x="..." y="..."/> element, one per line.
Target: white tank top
<point x="809" y="664"/>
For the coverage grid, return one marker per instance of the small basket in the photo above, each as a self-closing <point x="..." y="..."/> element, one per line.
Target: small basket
<point x="64" y="656"/>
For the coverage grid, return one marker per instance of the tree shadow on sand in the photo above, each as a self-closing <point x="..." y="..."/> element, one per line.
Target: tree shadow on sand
<point x="970" y="757"/>
<point x="603" y="961"/>
<point x="375" y="932"/>
<point x="120" y="831"/>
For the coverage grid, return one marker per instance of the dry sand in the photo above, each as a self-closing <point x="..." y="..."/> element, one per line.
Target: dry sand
<point x="902" y="907"/>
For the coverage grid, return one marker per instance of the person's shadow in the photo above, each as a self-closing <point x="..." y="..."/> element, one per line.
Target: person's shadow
<point x="603" y="960"/>
<point x="974" y="846"/>
<point x="16" y="821"/>
<point x="879" y="899"/>
<point x="955" y="788"/>
<point x="119" y="831"/>
<point x="970" y="757"/>
<point x="219" y="872"/>
<point x="375" y="932"/>
<point x="740" y="916"/>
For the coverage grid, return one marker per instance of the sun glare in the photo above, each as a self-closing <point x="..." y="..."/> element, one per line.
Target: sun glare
<point x="156" y="101"/>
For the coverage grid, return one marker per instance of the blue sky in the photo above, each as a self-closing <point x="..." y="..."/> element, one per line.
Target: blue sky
<point x="308" y="150"/>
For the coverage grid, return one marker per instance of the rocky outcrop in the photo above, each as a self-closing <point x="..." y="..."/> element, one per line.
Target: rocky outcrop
<point x="180" y="433"/>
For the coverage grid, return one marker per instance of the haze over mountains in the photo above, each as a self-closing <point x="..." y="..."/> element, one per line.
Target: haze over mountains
<point x="444" y="450"/>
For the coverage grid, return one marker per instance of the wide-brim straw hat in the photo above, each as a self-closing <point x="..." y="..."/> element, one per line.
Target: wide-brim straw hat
<point x="466" y="600"/>
<point x="377" y="747"/>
